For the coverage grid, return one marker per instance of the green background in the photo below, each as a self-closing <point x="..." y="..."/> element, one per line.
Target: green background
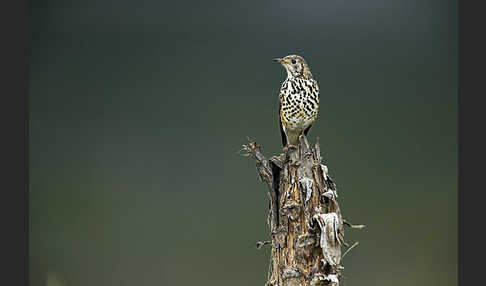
<point x="138" y="109"/>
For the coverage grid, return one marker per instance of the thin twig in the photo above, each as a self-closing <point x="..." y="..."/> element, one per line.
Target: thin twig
<point x="359" y="226"/>
<point x="261" y="244"/>
<point x="352" y="246"/>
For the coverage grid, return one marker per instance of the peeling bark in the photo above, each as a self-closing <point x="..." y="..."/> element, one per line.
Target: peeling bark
<point x="305" y="222"/>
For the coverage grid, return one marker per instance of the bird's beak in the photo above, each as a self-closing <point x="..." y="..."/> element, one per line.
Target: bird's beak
<point x="282" y="61"/>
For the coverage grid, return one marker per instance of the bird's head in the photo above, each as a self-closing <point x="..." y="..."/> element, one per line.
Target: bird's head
<point x="295" y="65"/>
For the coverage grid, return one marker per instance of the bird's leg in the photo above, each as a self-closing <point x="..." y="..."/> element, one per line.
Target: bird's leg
<point x="308" y="153"/>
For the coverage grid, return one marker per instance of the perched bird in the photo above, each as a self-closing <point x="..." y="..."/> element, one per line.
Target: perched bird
<point x="299" y="100"/>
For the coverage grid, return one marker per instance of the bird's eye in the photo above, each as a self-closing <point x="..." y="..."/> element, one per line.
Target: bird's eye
<point x="293" y="61"/>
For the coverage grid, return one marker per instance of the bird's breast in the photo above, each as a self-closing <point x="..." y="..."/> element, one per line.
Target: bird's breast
<point x="299" y="104"/>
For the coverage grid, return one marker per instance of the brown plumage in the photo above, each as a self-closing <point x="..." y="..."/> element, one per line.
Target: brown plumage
<point x="298" y="100"/>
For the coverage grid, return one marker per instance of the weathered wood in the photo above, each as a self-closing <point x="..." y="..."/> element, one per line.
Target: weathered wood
<point x="305" y="222"/>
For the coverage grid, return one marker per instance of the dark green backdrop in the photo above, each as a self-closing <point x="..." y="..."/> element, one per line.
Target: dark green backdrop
<point x="138" y="109"/>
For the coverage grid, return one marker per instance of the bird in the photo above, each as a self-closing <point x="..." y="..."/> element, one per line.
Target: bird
<point x="298" y="100"/>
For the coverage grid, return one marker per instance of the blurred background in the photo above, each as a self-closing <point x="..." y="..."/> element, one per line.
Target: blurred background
<point x="138" y="109"/>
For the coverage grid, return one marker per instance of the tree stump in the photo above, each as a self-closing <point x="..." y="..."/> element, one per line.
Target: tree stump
<point x="305" y="222"/>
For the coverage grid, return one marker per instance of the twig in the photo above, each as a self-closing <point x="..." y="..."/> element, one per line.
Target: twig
<point x="359" y="226"/>
<point x="261" y="244"/>
<point x="352" y="246"/>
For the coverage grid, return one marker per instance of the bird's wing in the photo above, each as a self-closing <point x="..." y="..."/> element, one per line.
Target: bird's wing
<point x="316" y="87"/>
<point x="282" y="132"/>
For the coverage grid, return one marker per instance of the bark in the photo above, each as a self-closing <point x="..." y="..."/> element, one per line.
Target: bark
<point x="305" y="222"/>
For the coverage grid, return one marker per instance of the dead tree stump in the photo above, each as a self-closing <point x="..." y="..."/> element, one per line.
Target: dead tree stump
<point x="305" y="222"/>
